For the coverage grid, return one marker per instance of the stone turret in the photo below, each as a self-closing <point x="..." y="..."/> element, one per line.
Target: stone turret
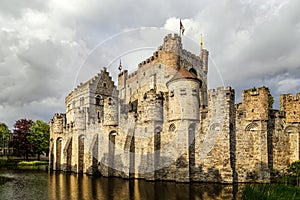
<point x="204" y="57"/>
<point x="291" y="106"/>
<point x="57" y="123"/>
<point x="256" y="103"/>
<point x="184" y="100"/>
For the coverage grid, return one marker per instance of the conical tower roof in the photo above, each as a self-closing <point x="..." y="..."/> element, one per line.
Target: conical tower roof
<point x="183" y="74"/>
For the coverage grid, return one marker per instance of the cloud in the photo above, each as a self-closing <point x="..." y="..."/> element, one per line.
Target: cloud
<point x="48" y="47"/>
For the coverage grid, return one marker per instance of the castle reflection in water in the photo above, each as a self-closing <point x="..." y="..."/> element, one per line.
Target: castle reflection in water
<point x="74" y="186"/>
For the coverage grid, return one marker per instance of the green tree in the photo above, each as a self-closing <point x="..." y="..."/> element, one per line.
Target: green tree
<point x="39" y="137"/>
<point x="294" y="169"/>
<point x="5" y="135"/>
<point x="19" y="142"/>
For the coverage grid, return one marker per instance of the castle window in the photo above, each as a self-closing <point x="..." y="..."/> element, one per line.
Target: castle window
<point x="98" y="114"/>
<point x="110" y="101"/>
<point x="182" y="91"/>
<point x="172" y="128"/>
<point x="133" y="106"/>
<point x="172" y="93"/>
<point x="104" y="84"/>
<point x="194" y="92"/>
<point x="99" y="100"/>
<point x="81" y="101"/>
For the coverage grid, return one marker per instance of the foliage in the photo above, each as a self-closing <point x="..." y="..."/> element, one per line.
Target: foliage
<point x="5" y="134"/>
<point x="294" y="169"/>
<point x="33" y="163"/>
<point x="19" y="142"/>
<point x="39" y="137"/>
<point x="270" y="192"/>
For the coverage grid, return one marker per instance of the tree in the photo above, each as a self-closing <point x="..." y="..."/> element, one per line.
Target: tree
<point x="19" y="142"/>
<point x="5" y="135"/>
<point x="294" y="169"/>
<point x="39" y="137"/>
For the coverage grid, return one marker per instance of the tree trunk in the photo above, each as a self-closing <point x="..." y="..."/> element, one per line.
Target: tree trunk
<point x="38" y="157"/>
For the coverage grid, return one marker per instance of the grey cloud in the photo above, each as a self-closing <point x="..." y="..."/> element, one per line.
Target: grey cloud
<point x="250" y="44"/>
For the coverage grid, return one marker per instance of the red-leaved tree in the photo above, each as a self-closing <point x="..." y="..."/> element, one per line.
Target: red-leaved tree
<point x="19" y="142"/>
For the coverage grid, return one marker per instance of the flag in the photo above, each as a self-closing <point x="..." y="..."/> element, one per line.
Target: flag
<point x="120" y="66"/>
<point x="181" y="28"/>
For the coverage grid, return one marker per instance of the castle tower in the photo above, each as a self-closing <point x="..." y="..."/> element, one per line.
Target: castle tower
<point x="184" y="96"/>
<point x="252" y="135"/>
<point x="169" y="52"/>
<point x="184" y="106"/>
<point x="290" y="107"/>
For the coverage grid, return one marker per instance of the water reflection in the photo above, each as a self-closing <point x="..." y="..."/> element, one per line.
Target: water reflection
<point x="43" y="185"/>
<point x="73" y="186"/>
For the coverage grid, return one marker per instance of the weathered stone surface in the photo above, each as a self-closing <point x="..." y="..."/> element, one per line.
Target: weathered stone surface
<point x="161" y="123"/>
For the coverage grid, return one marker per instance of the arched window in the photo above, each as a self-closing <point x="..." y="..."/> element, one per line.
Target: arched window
<point x="172" y="128"/>
<point x="99" y="100"/>
<point x="252" y="127"/>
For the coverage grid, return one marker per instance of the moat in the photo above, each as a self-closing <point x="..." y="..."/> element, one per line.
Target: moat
<point x="29" y="184"/>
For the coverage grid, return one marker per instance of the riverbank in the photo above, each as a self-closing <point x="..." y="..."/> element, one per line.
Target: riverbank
<point x="17" y="163"/>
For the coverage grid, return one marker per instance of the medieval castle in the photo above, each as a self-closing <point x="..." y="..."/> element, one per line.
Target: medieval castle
<point x="161" y="123"/>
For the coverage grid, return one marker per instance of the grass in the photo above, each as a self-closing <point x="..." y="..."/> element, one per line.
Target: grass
<point x="33" y="163"/>
<point x="271" y="192"/>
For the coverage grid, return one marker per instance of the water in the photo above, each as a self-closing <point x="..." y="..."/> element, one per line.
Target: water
<point x="30" y="184"/>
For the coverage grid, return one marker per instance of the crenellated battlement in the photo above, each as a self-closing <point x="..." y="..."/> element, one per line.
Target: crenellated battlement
<point x="59" y="116"/>
<point x="227" y="92"/>
<point x="290" y="105"/>
<point x="256" y="103"/>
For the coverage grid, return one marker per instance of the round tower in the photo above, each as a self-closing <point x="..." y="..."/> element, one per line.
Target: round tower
<point x="184" y="99"/>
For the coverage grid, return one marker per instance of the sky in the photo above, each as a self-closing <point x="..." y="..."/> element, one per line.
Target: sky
<point x="48" y="47"/>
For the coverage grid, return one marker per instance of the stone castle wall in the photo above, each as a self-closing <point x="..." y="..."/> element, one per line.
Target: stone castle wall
<point x="161" y="123"/>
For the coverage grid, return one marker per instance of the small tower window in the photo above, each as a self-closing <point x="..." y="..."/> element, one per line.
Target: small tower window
<point x="99" y="100"/>
<point x="110" y="101"/>
<point x="81" y="101"/>
<point x="172" y="128"/>
<point x="104" y="84"/>
<point x="183" y="91"/>
<point x="172" y="93"/>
